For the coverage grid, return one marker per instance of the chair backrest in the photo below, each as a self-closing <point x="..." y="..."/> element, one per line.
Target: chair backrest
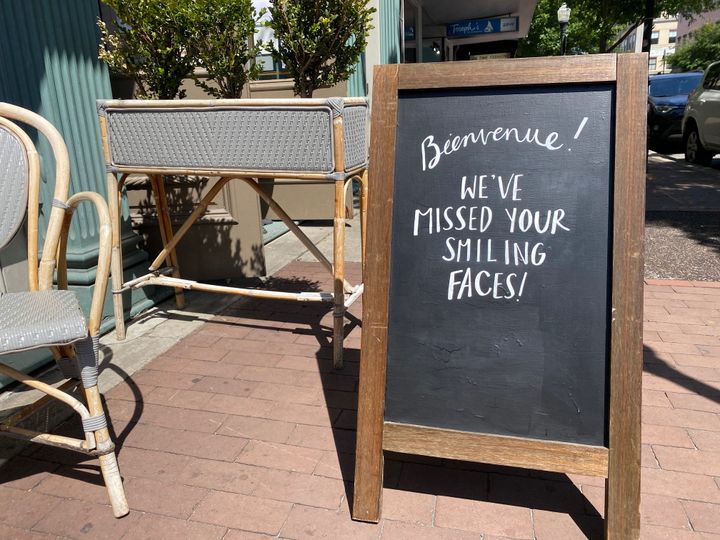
<point x="14" y="171"/>
<point x="20" y="189"/>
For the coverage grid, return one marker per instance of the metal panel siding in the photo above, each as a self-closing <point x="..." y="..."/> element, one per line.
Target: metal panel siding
<point x="48" y="61"/>
<point x="48" y="56"/>
<point x="356" y="86"/>
<point x="390" y="31"/>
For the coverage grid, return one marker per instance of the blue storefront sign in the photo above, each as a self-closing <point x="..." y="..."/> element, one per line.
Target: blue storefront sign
<point x="471" y="27"/>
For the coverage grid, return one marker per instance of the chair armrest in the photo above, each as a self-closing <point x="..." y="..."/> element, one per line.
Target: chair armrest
<point x="104" y="254"/>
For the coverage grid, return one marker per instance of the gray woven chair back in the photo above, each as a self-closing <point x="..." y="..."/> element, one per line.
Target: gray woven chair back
<point x="273" y="138"/>
<point x="13" y="185"/>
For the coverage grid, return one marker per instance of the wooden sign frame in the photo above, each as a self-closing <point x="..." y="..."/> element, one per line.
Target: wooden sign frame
<point x="619" y="461"/>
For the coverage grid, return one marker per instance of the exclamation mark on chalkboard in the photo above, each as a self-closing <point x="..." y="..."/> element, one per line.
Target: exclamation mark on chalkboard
<point x="579" y="129"/>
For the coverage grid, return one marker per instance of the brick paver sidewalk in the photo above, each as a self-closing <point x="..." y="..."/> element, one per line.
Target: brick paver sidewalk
<point x="244" y="430"/>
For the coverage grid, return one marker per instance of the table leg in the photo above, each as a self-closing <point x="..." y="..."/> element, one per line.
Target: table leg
<point x="363" y="217"/>
<point x="166" y="232"/>
<point x="116" y="261"/>
<point x="339" y="274"/>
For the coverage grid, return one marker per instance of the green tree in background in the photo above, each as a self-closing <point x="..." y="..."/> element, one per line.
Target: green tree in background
<point x="698" y="53"/>
<point x="595" y="24"/>
<point x="544" y="36"/>
<point x="319" y="41"/>
<point x="158" y="43"/>
<point x="148" y="45"/>
<point x="220" y="33"/>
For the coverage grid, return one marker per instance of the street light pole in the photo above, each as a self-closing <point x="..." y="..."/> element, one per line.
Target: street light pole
<point x="563" y="15"/>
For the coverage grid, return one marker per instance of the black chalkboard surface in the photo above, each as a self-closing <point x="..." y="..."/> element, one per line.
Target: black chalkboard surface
<point x="499" y="263"/>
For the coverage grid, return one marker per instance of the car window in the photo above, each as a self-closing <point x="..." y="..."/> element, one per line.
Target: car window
<point x="712" y="79"/>
<point x="674" y="86"/>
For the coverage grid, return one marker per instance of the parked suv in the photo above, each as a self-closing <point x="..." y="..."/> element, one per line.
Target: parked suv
<point x="667" y="97"/>
<point x="701" y="122"/>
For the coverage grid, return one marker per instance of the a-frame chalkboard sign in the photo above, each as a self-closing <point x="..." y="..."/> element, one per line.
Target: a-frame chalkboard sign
<point x="502" y="316"/>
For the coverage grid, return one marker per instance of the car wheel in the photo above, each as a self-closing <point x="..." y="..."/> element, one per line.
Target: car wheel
<point x="694" y="150"/>
<point x="659" y="145"/>
<point x="652" y="142"/>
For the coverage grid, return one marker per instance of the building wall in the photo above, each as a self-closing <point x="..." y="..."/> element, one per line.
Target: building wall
<point x="665" y="30"/>
<point x="687" y="26"/>
<point x="48" y="58"/>
<point x="390" y="31"/>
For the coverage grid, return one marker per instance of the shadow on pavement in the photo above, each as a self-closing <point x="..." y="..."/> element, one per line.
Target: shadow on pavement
<point x="68" y="463"/>
<point x="673" y="184"/>
<point x="682" y="219"/>
<point x="661" y="368"/>
<point x="702" y="227"/>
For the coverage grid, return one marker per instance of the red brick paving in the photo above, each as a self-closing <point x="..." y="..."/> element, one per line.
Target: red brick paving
<point x="244" y="431"/>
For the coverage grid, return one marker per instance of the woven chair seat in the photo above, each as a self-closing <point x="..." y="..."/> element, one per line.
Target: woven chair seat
<point x="29" y="320"/>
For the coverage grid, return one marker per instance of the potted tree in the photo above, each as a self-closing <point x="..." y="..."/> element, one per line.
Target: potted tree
<point x="319" y="41"/>
<point x="160" y="46"/>
<point x="220" y="45"/>
<point x="147" y="44"/>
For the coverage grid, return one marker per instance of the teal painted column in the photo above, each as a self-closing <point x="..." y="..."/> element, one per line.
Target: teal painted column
<point x="390" y="31"/>
<point x="48" y="53"/>
<point x="356" y="86"/>
<point x="389" y="35"/>
<point x="48" y="58"/>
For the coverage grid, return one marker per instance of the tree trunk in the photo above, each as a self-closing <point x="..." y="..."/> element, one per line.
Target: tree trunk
<point x="304" y="84"/>
<point x="603" y="45"/>
<point x="647" y="30"/>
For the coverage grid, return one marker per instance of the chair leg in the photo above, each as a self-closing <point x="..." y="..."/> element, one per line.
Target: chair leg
<point x="97" y="423"/>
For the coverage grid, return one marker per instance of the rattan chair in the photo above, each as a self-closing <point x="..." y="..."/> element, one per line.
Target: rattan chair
<point x="45" y="316"/>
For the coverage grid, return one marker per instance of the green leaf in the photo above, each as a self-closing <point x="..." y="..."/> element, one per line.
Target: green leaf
<point x="314" y="39"/>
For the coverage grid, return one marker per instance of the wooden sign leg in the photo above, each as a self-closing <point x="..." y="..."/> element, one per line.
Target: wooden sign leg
<point x="367" y="493"/>
<point x="622" y="504"/>
<point x="622" y="495"/>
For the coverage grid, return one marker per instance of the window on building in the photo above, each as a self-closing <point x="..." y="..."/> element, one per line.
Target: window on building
<point x="672" y="37"/>
<point x="629" y="44"/>
<point x="652" y="64"/>
<point x="654" y="38"/>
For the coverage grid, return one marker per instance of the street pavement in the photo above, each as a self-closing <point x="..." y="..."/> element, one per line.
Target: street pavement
<point x="236" y="426"/>
<point x="682" y="219"/>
